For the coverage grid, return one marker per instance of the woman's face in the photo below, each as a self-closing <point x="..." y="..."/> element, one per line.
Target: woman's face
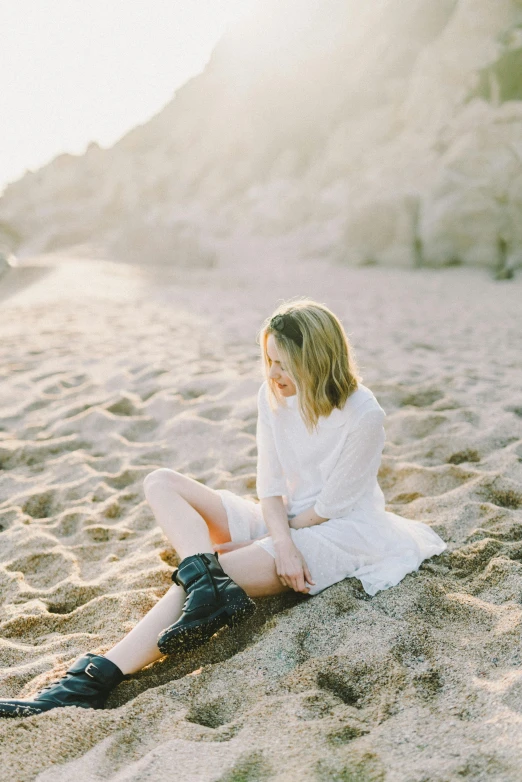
<point x="277" y="368"/>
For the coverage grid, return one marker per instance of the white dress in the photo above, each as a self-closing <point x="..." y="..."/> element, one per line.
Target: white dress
<point x="334" y="470"/>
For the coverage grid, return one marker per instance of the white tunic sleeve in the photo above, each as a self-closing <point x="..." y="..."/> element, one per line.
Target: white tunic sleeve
<point x="270" y="479"/>
<point x="356" y="468"/>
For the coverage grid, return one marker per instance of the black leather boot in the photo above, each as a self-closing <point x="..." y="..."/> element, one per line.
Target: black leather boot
<point x="87" y="684"/>
<point x="213" y="600"/>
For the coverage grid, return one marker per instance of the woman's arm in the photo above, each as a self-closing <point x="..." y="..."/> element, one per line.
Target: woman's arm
<point x="276" y="518"/>
<point x="271" y="487"/>
<point x="356" y="468"/>
<point x="291" y="566"/>
<point x="270" y="480"/>
<point x="308" y="518"/>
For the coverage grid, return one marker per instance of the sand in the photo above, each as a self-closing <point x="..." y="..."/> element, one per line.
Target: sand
<point x="109" y="371"/>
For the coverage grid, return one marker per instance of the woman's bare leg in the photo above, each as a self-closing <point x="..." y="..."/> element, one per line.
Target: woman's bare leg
<point x="139" y="647"/>
<point x="185" y="527"/>
<point x="192" y="517"/>
<point x="251" y="567"/>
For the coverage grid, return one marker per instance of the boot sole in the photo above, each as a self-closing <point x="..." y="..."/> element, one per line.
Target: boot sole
<point x="18" y="710"/>
<point x="191" y="635"/>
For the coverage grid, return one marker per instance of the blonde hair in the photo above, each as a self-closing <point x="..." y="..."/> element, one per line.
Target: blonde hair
<point x="323" y="369"/>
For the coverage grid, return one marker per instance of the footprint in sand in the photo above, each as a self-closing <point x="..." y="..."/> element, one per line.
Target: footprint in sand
<point x="192" y="393"/>
<point x="428" y="684"/>
<point x="422" y="398"/>
<point x="405" y="497"/>
<point x="516" y="409"/>
<point x="140" y="431"/>
<point x="512" y="697"/>
<point x="43" y="569"/>
<point x="460" y="457"/>
<point x="98" y="533"/>
<point x="407" y="426"/>
<point x="250" y="427"/>
<point x="250" y="767"/>
<point x="412" y="482"/>
<point x="342" y="685"/>
<point x="502" y="495"/>
<point x="73" y="381"/>
<point x="41" y="505"/>
<point x="217" y="413"/>
<point x="215" y="712"/>
<point x="70" y="596"/>
<point x="125" y="406"/>
<point x="473" y="557"/>
<point x="125" y="478"/>
<point x="315" y="706"/>
<point x="198" y="466"/>
<point x="69" y="524"/>
<point x="347" y="733"/>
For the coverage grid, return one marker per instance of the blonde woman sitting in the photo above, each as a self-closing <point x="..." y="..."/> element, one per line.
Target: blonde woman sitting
<point x="320" y="516"/>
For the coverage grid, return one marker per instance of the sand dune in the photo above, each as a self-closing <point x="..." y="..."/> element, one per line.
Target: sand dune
<point x="110" y="371"/>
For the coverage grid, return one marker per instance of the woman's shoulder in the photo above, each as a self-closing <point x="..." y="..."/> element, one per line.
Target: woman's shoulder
<point x="364" y="398"/>
<point x="363" y="401"/>
<point x="358" y="403"/>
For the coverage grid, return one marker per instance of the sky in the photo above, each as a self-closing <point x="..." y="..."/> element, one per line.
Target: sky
<point x="76" y="71"/>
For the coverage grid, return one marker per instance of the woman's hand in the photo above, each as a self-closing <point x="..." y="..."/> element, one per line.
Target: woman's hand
<point x="291" y="566"/>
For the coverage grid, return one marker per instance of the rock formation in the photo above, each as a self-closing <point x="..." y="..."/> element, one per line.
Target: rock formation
<point x="376" y="132"/>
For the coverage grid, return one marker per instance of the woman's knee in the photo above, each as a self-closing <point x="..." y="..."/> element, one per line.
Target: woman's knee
<point x="161" y="478"/>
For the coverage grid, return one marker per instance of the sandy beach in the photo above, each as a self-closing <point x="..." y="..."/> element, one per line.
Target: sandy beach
<point x="109" y="371"/>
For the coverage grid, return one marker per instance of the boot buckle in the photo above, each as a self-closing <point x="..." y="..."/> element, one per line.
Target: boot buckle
<point x="91" y="665"/>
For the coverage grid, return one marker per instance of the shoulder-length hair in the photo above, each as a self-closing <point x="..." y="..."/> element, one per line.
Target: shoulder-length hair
<point x="322" y="368"/>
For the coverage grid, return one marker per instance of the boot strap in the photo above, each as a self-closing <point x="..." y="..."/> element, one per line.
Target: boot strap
<point x="80" y="664"/>
<point x="174" y="578"/>
<point x="86" y="665"/>
<point x="191" y="571"/>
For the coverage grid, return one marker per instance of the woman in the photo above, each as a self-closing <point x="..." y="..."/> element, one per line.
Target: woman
<point x="320" y="516"/>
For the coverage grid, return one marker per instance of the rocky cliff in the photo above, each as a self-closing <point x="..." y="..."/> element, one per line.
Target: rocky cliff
<point x="377" y="132"/>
